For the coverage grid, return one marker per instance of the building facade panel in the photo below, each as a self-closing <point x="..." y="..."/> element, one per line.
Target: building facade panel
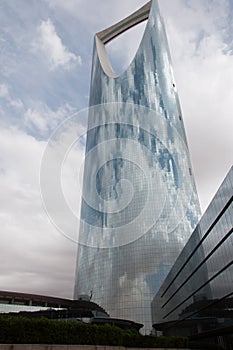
<point x="199" y="286"/>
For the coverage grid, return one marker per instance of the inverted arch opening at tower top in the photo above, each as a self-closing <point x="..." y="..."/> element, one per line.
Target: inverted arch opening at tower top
<point x="105" y="36"/>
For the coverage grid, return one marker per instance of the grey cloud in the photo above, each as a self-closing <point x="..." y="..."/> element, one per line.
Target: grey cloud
<point x="35" y="257"/>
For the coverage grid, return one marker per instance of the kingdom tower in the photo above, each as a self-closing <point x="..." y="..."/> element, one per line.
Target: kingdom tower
<point x="139" y="203"/>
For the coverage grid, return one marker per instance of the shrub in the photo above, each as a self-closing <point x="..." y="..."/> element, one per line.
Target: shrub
<point x="22" y="330"/>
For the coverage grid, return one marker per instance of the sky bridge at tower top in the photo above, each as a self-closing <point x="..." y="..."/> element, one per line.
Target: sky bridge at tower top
<point x="132" y="20"/>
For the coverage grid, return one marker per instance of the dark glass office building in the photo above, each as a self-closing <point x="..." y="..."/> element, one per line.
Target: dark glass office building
<point x="197" y="295"/>
<point x="139" y="204"/>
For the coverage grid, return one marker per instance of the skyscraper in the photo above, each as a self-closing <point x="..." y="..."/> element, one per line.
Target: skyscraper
<point x="139" y="202"/>
<point x="196" y="296"/>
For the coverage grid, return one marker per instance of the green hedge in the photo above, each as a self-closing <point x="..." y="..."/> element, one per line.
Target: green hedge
<point x="20" y="330"/>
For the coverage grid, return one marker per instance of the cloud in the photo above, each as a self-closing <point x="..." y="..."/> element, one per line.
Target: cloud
<point x="50" y="44"/>
<point x="3" y="90"/>
<point x="16" y="103"/>
<point x="6" y="95"/>
<point x="97" y="12"/>
<point x="43" y="119"/>
<point x="124" y="47"/>
<point x="34" y="257"/>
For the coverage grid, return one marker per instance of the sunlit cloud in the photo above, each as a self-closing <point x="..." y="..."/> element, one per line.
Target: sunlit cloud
<point x="50" y="44"/>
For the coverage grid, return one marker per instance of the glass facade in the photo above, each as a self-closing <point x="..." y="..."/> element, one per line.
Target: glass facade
<point x="5" y="308"/>
<point x="139" y="202"/>
<point x="16" y="302"/>
<point x="197" y="294"/>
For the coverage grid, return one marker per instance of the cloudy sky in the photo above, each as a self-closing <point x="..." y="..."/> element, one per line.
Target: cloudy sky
<point x="45" y="65"/>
